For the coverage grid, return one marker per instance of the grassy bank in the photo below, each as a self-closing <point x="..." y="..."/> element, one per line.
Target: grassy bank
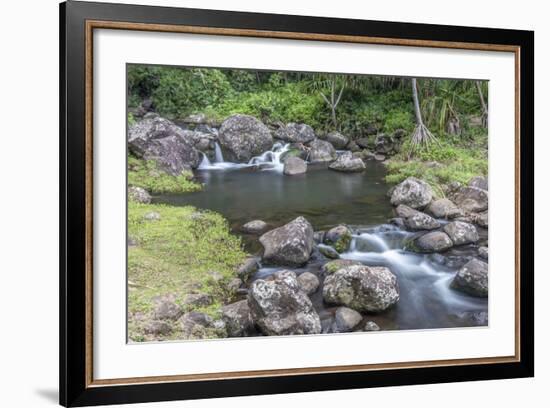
<point x="145" y="174"/>
<point x="185" y="251"/>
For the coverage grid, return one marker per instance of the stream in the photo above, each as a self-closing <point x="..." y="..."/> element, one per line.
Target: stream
<point x="259" y="190"/>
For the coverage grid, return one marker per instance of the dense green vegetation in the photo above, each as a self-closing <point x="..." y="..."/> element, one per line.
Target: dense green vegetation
<point x="183" y="252"/>
<point x="145" y="174"/>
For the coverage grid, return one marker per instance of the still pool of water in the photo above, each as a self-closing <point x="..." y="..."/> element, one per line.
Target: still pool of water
<point x="328" y="198"/>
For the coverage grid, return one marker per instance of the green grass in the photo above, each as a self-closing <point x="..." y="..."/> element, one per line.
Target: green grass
<point x="452" y="159"/>
<point x="145" y="174"/>
<point x="177" y="255"/>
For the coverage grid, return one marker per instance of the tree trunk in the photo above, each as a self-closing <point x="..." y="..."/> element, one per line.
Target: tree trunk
<point x="485" y="111"/>
<point x="417" y="112"/>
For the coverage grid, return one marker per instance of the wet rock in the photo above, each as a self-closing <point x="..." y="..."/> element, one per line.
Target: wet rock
<point x="412" y="192"/>
<point x="339" y="238"/>
<point x="168" y="145"/>
<point x="319" y="236"/>
<point x="346" y="163"/>
<point x="308" y="282"/>
<point x="247" y="268"/>
<point x="321" y="151"/>
<point x="243" y="137"/>
<point x="280" y="307"/>
<point x="364" y="155"/>
<point x="444" y="208"/>
<point x="255" y="226"/>
<point x="139" y="195"/>
<point x="371" y="326"/>
<point x="483" y="252"/>
<point x="294" y="165"/>
<point x="473" y="278"/>
<point x="152" y="216"/>
<point x="295" y="133"/>
<point x="482" y="219"/>
<point x="363" y="288"/>
<point x="379" y="157"/>
<point x="346" y="319"/>
<point x="397" y="221"/>
<point x="166" y="308"/>
<point x="328" y="251"/>
<point x="461" y="232"/>
<point x="435" y="241"/>
<point x="471" y="199"/>
<point x="333" y="266"/>
<point x="421" y="221"/>
<point x="290" y="244"/>
<point x="158" y="328"/>
<point x="338" y="140"/>
<point x="404" y="211"/>
<point x="479" y="182"/>
<point x="238" y="320"/>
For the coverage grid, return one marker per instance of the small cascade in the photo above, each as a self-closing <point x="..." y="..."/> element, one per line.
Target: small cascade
<point x="218" y="158"/>
<point x="205" y="162"/>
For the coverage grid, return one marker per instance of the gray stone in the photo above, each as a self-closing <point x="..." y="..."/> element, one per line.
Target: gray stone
<point x="346" y="319"/>
<point x="346" y="163"/>
<point x="444" y="208"/>
<point x="321" y="151"/>
<point x="158" y="328"/>
<point x="295" y="133"/>
<point x="471" y="199"/>
<point x="333" y="266"/>
<point x="238" y="320"/>
<point x="139" y="195"/>
<point x="421" y="221"/>
<point x="473" y="278"/>
<point x="243" y="137"/>
<point x="328" y="251"/>
<point x="290" y="244"/>
<point x="412" y="192"/>
<point x="166" y="308"/>
<point x="294" y="165"/>
<point x="434" y="241"/>
<point x="371" y="326"/>
<point x="152" y="216"/>
<point x="308" y="282"/>
<point x="338" y="140"/>
<point x="404" y="211"/>
<point x="461" y="232"/>
<point x="247" y="268"/>
<point x="483" y="252"/>
<point x="479" y="182"/>
<point x="339" y="238"/>
<point x="255" y="226"/>
<point x="197" y="300"/>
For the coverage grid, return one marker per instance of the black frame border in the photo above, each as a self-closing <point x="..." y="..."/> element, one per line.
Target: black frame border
<point x="72" y="124"/>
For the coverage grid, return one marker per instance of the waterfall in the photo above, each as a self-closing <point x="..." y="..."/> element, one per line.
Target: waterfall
<point x="205" y="162"/>
<point x="218" y="158"/>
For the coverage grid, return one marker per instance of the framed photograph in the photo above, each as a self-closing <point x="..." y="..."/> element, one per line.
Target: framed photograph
<point x="256" y="204"/>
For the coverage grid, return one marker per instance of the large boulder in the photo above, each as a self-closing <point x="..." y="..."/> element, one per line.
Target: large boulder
<point x="279" y="306"/>
<point x="243" y="137"/>
<point x="237" y="318"/>
<point x="362" y="288"/>
<point x="435" y="241"/>
<point x="444" y="208"/>
<point x="333" y="266"/>
<point x="421" y="221"/>
<point x="295" y="133"/>
<point x="321" y="151"/>
<point x="471" y="199"/>
<point x="412" y="192"/>
<point x="479" y="182"/>
<point x="461" y="232"/>
<point x="338" y="140"/>
<point x="290" y="244"/>
<point x="339" y="238"/>
<point x="473" y="278"/>
<point x="168" y="145"/>
<point x="348" y="164"/>
<point x="294" y="165"/>
<point x="384" y="144"/>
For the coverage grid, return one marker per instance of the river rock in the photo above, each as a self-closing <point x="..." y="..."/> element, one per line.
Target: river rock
<point x="295" y="133"/>
<point x="339" y="238"/>
<point x="290" y="244"/>
<point x="243" y="137"/>
<point x="479" y="182"/>
<point x="482" y="219"/>
<point x="321" y="151"/>
<point x="384" y="144"/>
<point x="247" y="268"/>
<point x="158" y="328"/>
<point x="166" y="308"/>
<point x="473" y="278"/>
<point x="197" y="300"/>
<point x="471" y="199"/>
<point x="404" y="211"/>
<point x="444" y="208"/>
<point x="345" y="319"/>
<point x="412" y="192"/>
<point x="421" y="221"/>
<point x="319" y="236"/>
<point x="348" y="164"/>
<point x="483" y="252"/>
<point x="280" y="307"/>
<point x="255" y="226"/>
<point x="435" y="241"/>
<point x="333" y="266"/>
<point x="461" y="232"/>
<point x="371" y="326"/>
<point x="139" y="195"/>
<point x="294" y="165"/>
<point x="168" y="145"/>
<point x="308" y="282"/>
<point x="363" y="288"/>
<point x="364" y="155"/>
<point x="152" y="216"/>
<point x="195" y="324"/>
<point x="237" y="318"/>
<point x="328" y="251"/>
<point x="338" y="140"/>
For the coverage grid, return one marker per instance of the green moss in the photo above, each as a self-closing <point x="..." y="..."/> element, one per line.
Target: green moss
<point x="145" y="174"/>
<point x="342" y="244"/>
<point x="178" y="255"/>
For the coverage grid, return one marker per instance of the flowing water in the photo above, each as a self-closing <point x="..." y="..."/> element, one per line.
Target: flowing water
<point x="259" y="190"/>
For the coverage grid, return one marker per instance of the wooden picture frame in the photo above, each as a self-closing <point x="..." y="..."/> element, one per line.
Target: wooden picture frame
<point x="77" y="22"/>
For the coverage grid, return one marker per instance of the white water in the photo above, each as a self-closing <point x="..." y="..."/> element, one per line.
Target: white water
<point x="268" y="160"/>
